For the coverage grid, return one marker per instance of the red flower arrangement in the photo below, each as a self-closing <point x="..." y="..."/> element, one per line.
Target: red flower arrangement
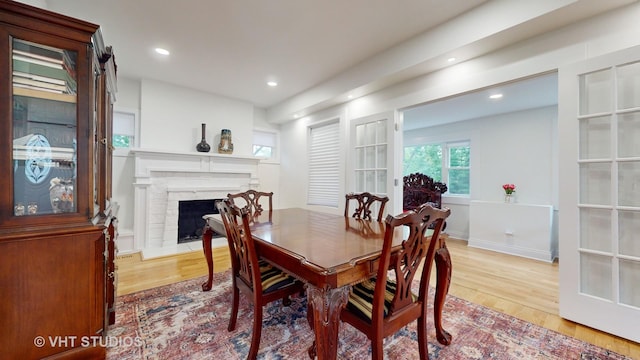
<point x="509" y="188"/>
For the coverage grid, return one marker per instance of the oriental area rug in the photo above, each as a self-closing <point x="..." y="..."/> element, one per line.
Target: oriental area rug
<point x="180" y="321"/>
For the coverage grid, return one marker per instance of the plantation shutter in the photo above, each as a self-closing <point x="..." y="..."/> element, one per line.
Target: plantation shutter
<point x="324" y="167"/>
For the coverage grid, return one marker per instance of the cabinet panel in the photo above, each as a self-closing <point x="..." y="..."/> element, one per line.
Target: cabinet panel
<point x="50" y="288"/>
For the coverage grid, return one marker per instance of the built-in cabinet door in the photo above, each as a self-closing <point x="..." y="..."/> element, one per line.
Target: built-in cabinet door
<point x="371" y="156"/>
<point x="599" y="213"/>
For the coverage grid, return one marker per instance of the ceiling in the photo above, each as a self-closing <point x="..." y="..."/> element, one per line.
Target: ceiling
<point x="539" y="91"/>
<point x="233" y="48"/>
<point x="317" y="50"/>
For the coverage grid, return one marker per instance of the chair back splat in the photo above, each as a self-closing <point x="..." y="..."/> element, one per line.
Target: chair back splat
<point x="381" y="306"/>
<point x="419" y="188"/>
<point x="367" y="204"/>
<point x="252" y="200"/>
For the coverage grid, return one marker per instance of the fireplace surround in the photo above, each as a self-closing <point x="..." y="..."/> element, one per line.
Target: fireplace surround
<point x="164" y="178"/>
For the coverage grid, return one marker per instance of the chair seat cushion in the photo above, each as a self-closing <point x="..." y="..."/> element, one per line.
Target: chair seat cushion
<point x="273" y="278"/>
<point x="361" y="298"/>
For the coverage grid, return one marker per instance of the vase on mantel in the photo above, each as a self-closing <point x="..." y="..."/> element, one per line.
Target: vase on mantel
<point x="202" y="145"/>
<point x="226" y="144"/>
<point x="509" y="198"/>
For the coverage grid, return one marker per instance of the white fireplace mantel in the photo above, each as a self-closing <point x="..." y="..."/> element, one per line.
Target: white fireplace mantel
<point x="163" y="178"/>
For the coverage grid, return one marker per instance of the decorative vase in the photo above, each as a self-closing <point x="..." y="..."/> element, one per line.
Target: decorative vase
<point x="226" y="145"/>
<point x="508" y="198"/>
<point x="202" y="145"/>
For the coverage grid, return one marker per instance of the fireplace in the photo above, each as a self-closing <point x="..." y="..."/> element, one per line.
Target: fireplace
<point x="190" y="221"/>
<point x="164" y="179"/>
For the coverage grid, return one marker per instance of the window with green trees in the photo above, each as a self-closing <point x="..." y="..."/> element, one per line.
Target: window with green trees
<point x="445" y="162"/>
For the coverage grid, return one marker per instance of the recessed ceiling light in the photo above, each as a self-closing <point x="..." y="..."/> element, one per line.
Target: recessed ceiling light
<point x="451" y="59"/>
<point x="350" y="96"/>
<point x="162" y="51"/>
<point x="495" y="96"/>
<point x="272" y="83"/>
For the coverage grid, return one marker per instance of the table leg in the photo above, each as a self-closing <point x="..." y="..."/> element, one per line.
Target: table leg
<point x="207" y="235"/>
<point x="443" y="270"/>
<point x="326" y="305"/>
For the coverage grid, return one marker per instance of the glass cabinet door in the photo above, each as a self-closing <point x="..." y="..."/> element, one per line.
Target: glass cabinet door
<point x="45" y="128"/>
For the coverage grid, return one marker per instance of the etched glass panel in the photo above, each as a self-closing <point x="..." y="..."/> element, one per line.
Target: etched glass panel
<point x="628" y="230"/>
<point x="595" y="92"/>
<point x="629" y="280"/>
<point x="629" y="183"/>
<point x="595" y="229"/>
<point x="628" y="80"/>
<point x="595" y="138"/>
<point x="44" y="129"/>
<point x="381" y="131"/>
<point x="382" y="182"/>
<point x="628" y="135"/>
<point x="359" y="158"/>
<point x="595" y="275"/>
<point x="370" y="157"/>
<point x="381" y="156"/>
<point x="595" y="183"/>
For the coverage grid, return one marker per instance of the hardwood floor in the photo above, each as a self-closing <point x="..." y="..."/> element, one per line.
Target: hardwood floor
<point x="524" y="288"/>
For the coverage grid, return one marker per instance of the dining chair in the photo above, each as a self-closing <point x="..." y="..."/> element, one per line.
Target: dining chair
<point x="259" y="280"/>
<point x="382" y="305"/>
<point x="365" y="201"/>
<point x="418" y="189"/>
<point x="252" y="200"/>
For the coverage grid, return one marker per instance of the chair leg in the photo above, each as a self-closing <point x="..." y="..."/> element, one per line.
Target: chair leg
<point x="376" y="349"/>
<point x="286" y="301"/>
<point x="234" y="309"/>
<point x="257" y="332"/>
<point x="423" y="345"/>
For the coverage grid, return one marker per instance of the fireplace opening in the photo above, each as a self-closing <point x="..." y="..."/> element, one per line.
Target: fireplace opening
<point x="190" y="221"/>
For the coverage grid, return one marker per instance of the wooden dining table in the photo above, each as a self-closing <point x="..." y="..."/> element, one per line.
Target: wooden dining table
<point x="329" y="253"/>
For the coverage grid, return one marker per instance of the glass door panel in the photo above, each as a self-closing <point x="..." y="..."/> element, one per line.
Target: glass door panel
<point x="595" y="183"/>
<point x="44" y="129"/>
<point x="628" y="135"/>
<point x="628" y="230"/>
<point x="596" y="273"/>
<point x="595" y="229"/>
<point x="628" y="80"/>
<point x="595" y="92"/>
<point x="628" y="182"/>
<point x="595" y="138"/>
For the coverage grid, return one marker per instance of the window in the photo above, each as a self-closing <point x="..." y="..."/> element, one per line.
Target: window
<point x="324" y="165"/>
<point x="124" y="129"/>
<point x="446" y="162"/>
<point x="264" y="144"/>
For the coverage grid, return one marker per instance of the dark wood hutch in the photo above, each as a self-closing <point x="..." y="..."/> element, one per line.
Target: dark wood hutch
<point x="57" y="221"/>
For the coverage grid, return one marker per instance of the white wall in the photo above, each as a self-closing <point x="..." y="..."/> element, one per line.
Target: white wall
<point x="517" y="148"/>
<point x="170" y="119"/>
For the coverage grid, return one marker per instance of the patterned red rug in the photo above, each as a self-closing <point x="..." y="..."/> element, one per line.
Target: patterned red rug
<point x="180" y="321"/>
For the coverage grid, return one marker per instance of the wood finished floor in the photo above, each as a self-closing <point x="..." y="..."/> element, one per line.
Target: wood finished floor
<point x="524" y="288"/>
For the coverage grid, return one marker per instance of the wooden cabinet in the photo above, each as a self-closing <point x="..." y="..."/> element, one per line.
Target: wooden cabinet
<point x="57" y="223"/>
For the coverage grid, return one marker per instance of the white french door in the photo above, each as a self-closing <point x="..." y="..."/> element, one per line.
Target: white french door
<point x="371" y="156"/>
<point x="599" y="199"/>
